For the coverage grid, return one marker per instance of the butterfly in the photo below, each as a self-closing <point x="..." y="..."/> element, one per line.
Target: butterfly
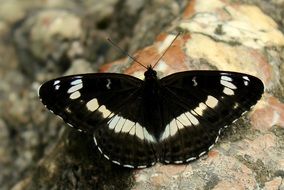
<point x="137" y="123"/>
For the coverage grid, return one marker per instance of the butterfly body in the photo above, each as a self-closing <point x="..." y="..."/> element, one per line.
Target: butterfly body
<point x="137" y="123"/>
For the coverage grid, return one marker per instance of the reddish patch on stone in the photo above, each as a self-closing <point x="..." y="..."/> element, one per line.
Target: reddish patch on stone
<point x="171" y="170"/>
<point x="273" y="184"/>
<point x="161" y="37"/>
<point x="213" y="154"/>
<point x="107" y="67"/>
<point x="147" y="56"/>
<point x="269" y="114"/>
<point x="46" y="21"/>
<point x="228" y="185"/>
<point x="174" y="59"/>
<point x="158" y="180"/>
<point x="263" y="66"/>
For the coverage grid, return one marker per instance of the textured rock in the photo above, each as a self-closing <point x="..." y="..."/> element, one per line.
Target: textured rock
<point x="37" y="152"/>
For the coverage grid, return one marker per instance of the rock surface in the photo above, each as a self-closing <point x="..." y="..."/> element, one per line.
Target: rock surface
<point x="40" y="41"/>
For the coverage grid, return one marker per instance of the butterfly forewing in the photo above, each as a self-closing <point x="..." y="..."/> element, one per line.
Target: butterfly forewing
<point x="85" y="100"/>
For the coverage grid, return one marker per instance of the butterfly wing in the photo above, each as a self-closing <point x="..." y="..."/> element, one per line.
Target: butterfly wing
<point x="106" y="105"/>
<point x="200" y="104"/>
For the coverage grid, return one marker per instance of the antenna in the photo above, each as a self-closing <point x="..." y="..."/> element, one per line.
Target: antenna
<point x="125" y="53"/>
<point x="134" y="59"/>
<point x="167" y="49"/>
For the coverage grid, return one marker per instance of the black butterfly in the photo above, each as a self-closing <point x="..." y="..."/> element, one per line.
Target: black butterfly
<point x="137" y="123"/>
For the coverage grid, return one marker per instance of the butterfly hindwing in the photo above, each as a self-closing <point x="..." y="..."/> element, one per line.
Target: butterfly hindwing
<point x="124" y="139"/>
<point x="125" y="144"/>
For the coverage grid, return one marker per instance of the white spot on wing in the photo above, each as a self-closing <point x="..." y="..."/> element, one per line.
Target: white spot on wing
<point x="246" y="78"/>
<point x="201" y="107"/>
<point x="119" y="125"/>
<point x="226" y="78"/>
<point x="166" y="133"/>
<point x="190" y="159"/>
<point x="244" y="112"/>
<point x="116" y="162"/>
<point x="228" y="84"/>
<point x="178" y="162"/>
<point x="100" y="150"/>
<point x="143" y="134"/>
<point x="104" y="111"/>
<point x="142" y="166"/>
<point x="211" y="102"/>
<point x="75" y="95"/>
<point x="184" y="120"/>
<point x="110" y="116"/>
<point x="95" y="140"/>
<point x="194" y="81"/>
<point x="202" y="153"/>
<point x="132" y="131"/>
<point x="228" y="91"/>
<point x="67" y="109"/>
<point x="128" y="125"/>
<point x="210" y="147"/>
<point x="236" y="105"/>
<point x="112" y="123"/>
<point x="106" y="156"/>
<point x="93" y="104"/>
<point x="173" y="127"/>
<point x="69" y="124"/>
<point x="128" y="166"/>
<point x="192" y="119"/>
<point x="246" y="83"/>
<point x="75" y="88"/>
<point x="57" y="87"/>
<point x="108" y="83"/>
<point x="77" y="81"/>
<point x="217" y="138"/>
<point x="139" y="131"/>
<point x="179" y="125"/>
<point x="148" y="136"/>
<point x="167" y="161"/>
<point x="56" y="82"/>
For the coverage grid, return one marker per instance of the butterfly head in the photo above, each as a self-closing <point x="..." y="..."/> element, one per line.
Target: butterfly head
<point x="150" y="74"/>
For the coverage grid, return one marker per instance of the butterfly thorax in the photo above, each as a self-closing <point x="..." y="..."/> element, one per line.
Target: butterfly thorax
<point x="150" y="74"/>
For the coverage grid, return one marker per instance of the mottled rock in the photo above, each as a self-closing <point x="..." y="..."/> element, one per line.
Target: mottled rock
<point x="276" y="183"/>
<point x="54" y="38"/>
<point x="53" y="25"/>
